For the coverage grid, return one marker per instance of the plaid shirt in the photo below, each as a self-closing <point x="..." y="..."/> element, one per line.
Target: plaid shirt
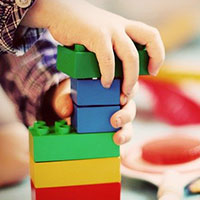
<point x="25" y="78"/>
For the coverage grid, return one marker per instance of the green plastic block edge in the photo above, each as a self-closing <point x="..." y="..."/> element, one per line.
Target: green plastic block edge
<point x="69" y="145"/>
<point x="79" y="63"/>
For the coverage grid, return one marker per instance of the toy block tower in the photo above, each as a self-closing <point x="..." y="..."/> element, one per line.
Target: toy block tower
<point x="80" y="161"/>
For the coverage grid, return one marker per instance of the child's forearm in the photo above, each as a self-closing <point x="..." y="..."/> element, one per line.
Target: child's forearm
<point x="11" y="14"/>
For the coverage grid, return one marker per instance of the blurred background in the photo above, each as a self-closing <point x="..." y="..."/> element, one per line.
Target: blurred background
<point x="167" y="104"/>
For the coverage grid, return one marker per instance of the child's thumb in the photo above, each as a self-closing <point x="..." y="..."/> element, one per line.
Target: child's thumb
<point x="63" y="105"/>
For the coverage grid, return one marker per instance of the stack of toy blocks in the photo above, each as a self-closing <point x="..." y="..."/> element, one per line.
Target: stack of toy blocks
<point x="80" y="161"/>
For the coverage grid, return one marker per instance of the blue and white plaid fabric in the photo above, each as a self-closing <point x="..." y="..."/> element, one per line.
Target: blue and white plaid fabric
<point x="25" y="78"/>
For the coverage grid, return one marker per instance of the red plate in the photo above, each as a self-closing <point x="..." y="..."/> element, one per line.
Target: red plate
<point x="171" y="150"/>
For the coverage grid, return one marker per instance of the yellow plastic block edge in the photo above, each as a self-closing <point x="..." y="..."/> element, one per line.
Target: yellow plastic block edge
<point x="78" y="172"/>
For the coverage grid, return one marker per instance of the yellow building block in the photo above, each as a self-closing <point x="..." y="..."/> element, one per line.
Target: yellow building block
<point x="76" y="172"/>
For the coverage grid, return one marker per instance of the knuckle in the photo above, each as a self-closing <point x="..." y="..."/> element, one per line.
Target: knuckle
<point x="102" y="33"/>
<point x="101" y="36"/>
<point x="155" y="33"/>
<point x="97" y="39"/>
<point x="108" y="60"/>
<point x="132" y="56"/>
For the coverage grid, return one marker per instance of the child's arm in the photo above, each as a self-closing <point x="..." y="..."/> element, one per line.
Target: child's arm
<point x="100" y="31"/>
<point x="13" y="37"/>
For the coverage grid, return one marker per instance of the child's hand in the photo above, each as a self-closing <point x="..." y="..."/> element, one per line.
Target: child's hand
<point x="78" y="22"/>
<point x="63" y="106"/>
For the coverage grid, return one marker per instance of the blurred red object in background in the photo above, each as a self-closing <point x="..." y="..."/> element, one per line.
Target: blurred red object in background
<point x="174" y="149"/>
<point x="171" y="105"/>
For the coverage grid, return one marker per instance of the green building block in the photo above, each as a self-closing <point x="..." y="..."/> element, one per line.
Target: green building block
<point x="79" y="63"/>
<point x="61" y="142"/>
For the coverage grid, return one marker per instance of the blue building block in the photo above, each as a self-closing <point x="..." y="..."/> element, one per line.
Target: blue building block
<point x="93" y="119"/>
<point x="88" y="92"/>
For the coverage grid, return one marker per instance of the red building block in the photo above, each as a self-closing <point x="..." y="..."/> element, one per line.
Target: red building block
<point x="109" y="191"/>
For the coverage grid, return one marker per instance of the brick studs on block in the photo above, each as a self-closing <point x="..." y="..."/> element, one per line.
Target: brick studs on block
<point x="57" y="144"/>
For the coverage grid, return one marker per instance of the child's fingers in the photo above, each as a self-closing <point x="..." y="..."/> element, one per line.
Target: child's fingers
<point x="124" y="116"/>
<point x="124" y="99"/>
<point x="105" y="56"/>
<point x="124" y="134"/>
<point x="127" y="53"/>
<point x="150" y="37"/>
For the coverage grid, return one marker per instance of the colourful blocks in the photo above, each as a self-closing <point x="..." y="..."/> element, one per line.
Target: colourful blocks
<point x="66" y="165"/>
<point x="93" y="119"/>
<point x="69" y="146"/>
<point x="79" y="63"/>
<point x="91" y="93"/>
<point x="108" y="191"/>
<point x="76" y="172"/>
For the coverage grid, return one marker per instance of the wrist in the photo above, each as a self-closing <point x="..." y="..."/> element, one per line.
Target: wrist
<point x="38" y="15"/>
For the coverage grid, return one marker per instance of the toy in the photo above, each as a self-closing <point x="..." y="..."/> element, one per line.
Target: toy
<point x="171" y="104"/>
<point x="69" y="146"/>
<point x="97" y="120"/>
<point x="82" y="164"/>
<point x="170" y="179"/>
<point x="91" y="93"/>
<point x="170" y="150"/>
<point x="75" y="172"/>
<point x="79" y="63"/>
<point x="109" y="191"/>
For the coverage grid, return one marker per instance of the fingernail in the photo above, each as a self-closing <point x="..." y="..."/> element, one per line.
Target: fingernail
<point x="124" y="100"/>
<point x="128" y="93"/>
<point x="118" y="122"/>
<point x="106" y="86"/>
<point x="155" y="73"/>
<point x="122" y="139"/>
<point x="105" y="83"/>
<point x="64" y="111"/>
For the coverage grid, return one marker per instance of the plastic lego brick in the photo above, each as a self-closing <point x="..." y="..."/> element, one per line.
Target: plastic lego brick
<point x="79" y="63"/>
<point x="93" y="119"/>
<point x="90" y="92"/>
<point x="53" y="146"/>
<point x="76" y="172"/>
<point x="109" y="191"/>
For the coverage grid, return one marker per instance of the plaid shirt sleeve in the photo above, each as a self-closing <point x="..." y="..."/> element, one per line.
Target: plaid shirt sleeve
<point x="10" y="17"/>
<point x="27" y="78"/>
